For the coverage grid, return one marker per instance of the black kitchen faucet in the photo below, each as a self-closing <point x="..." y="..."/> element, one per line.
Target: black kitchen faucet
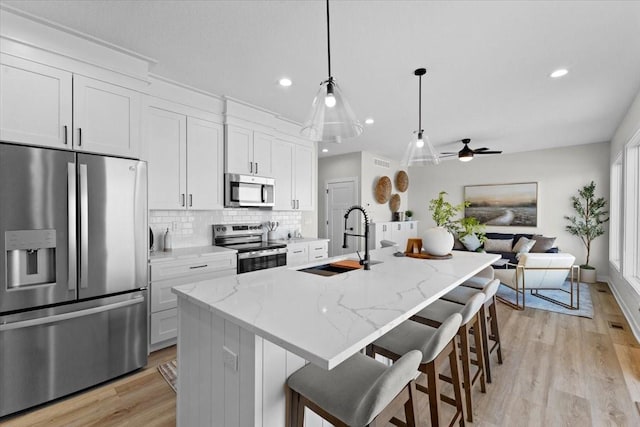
<point x="365" y="261"/>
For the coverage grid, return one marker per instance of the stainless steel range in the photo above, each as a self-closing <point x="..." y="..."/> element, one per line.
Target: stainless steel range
<point x="253" y="252"/>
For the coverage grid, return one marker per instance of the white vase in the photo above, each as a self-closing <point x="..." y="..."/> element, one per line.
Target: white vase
<point x="588" y="275"/>
<point x="437" y="241"/>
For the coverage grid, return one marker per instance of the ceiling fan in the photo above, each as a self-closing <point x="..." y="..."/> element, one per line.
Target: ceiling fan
<point x="466" y="154"/>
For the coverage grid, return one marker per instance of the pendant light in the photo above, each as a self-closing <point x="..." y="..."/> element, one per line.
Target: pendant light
<point x="420" y="152"/>
<point x="331" y="118"/>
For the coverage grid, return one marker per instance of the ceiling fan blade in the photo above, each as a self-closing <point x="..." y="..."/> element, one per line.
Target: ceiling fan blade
<point x="481" y="149"/>
<point x="449" y="153"/>
<point x="489" y="152"/>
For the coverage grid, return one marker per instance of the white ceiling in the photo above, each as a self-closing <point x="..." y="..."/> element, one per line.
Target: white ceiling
<point x="488" y="62"/>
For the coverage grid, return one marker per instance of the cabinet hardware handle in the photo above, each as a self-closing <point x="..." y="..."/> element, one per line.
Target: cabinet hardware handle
<point x="79" y="137"/>
<point x="317" y="249"/>
<point x="250" y="167"/>
<point x="297" y="252"/>
<point x="318" y="256"/>
<point x="293" y="204"/>
<point x="181" y="199"/>
<point x="198" y="266"/>
<point x="256" y="167"/>
<point x="297" y="204"/>
<point x="65" y="134"/>
<point x="190" y="200"/>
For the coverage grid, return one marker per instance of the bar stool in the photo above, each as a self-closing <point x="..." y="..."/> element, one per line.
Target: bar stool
<point x="488" y="317"/>
<point x="436" y="313"/>
<point x="437" y="345"/>
<point x="359" y="391"/>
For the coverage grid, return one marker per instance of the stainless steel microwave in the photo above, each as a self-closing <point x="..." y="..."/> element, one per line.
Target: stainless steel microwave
<point x="248" y="191"/>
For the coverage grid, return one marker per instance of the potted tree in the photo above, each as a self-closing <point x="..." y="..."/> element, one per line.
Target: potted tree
<point x="587" y="224"/>
<point x="439" y="240"/>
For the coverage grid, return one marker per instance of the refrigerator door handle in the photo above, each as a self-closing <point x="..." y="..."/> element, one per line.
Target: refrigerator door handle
<point x="84" y="228"/>
<point x="71" y="242"/>
<point x="72" y="315"/>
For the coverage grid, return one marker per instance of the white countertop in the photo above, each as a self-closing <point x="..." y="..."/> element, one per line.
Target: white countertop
<point x="186" y="253"/>
<point x="325" y="320"/>
<point x="302" y="240"/>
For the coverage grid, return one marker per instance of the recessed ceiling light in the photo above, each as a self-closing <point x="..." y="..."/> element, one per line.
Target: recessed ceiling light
<point x="369" y="121"/>
<point x="325" y="150"/>
<point x="286" y="82"/>
<point x="559" y="73"/>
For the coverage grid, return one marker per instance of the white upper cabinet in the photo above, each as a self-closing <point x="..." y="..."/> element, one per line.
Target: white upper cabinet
<point x="106" y="118"/>
<point x="39" y="102"/>
<point x="248" y="152"/>
<point x="293" y="170"/>
<point x="35" y="103"/>
<point x="205" y="141"/>
<point x="282" y="160"/>
<point x="167" y="147"/>
<point x="185" y="160"/>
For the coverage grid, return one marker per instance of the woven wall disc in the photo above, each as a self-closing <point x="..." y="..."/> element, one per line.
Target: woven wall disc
<point x="383" y="189"/>
<point x="402" y="181"/>
<point x="394" y="203"/>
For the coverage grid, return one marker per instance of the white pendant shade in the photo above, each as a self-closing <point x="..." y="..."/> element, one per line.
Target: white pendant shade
<point x="418" y="154"/>
<point x="330" y="124"/>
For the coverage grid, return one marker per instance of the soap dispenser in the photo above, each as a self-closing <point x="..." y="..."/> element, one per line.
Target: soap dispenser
<point x="167" y="241"/>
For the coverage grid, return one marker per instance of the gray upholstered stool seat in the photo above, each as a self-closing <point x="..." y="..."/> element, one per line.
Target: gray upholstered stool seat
<point x="481" y="279"/>
<point x="436" y="313"/>
<point x="488" y="318"/>
<point x="437" y="346"/>
<point x="354" y="392"/>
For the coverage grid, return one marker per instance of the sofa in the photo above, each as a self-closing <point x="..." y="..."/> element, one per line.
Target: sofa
<point x="508" y="245"/>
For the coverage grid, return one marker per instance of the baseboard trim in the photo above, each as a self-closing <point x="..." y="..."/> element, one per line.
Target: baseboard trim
<point x="626" y="311"/>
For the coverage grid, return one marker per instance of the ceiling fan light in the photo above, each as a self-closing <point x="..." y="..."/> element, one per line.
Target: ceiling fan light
<point x="465" y="157"/>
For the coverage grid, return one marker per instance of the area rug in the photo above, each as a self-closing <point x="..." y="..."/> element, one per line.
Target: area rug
<point x="169" y="371"/>
<point x="531" y="301"/>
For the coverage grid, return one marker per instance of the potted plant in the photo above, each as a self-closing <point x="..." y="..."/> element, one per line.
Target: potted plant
<point x="408" y="215"/>
<point x="587" y="224"/>
<point x="439" y="240"/>
<point x="470" y="226"/>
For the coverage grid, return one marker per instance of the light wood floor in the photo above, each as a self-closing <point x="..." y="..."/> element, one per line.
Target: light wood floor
<point x="558" y="371"/>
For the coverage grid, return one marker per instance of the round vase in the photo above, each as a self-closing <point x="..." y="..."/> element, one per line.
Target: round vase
<point x="437" y="241"/>
<point x="588" y="275"/>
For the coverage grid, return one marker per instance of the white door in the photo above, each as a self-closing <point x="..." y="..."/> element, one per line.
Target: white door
<point x="341" y="195"/>
<point x="204" y="164"/>
<point x="106" y="118"/>
<point x="167" y="139"/>
<point x="35" y="103"/>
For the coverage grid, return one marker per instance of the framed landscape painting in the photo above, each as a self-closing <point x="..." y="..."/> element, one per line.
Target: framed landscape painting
<point x="513" y="205"/>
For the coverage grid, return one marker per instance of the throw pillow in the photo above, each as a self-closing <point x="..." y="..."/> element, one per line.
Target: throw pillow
<point x="498" y="245"/>
<point x="543" y="244"/>
<point x="471" y="242"/>
<point x="523" y="245"/>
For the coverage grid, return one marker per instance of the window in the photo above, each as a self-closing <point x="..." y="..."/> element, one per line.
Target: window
<point x="615" y="213"/>
<point x="631" y="212"/>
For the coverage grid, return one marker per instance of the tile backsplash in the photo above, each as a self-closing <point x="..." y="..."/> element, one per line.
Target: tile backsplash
<point x="193" y="228"/>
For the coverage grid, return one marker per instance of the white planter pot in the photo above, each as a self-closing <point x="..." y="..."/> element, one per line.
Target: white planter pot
<point x="438" y="241"/>
<point x="588" y="275"/>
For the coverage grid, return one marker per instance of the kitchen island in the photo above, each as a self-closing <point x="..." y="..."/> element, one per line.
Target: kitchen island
<point x="240" y="337"/>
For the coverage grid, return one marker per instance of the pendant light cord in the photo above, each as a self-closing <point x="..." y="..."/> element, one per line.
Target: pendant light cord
<point x="420" y="104"/>
<point x="328" y="40"/>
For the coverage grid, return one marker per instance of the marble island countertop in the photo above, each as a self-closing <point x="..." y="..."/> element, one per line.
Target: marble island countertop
<point x="325" y="320"/>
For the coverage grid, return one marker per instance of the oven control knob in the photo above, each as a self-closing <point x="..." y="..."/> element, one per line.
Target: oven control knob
<point x="224" y="228"/>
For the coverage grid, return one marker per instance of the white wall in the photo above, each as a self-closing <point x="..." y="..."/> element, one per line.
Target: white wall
<point x="627" y="297"/>
<point x="559" y="173"/>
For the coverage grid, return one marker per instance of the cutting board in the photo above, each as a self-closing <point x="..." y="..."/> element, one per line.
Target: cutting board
<point x="347" y="263"/>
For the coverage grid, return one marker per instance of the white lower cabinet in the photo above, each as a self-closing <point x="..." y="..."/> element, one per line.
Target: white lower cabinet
<point x="164" y="275"/>
<point x="395" y="231"/>
<point x="305" y="252"/>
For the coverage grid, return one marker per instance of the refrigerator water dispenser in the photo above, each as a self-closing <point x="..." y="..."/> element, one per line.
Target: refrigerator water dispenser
<point x="30" y="258"/>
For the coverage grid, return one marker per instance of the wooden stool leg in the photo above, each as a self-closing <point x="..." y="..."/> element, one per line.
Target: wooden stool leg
<point x="485" y="342"/>
<point x="477" y="338"/>
<point x="463" y="333"/>
<point x="457" y="389"/>
<point x="411" y="406"/>
<point x="493" y="312"/>
<point x="433" y="391"/>
<point x="299" y="402"/>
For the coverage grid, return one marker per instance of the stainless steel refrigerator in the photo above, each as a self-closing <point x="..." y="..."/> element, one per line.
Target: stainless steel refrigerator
<point x="73" y="272"/>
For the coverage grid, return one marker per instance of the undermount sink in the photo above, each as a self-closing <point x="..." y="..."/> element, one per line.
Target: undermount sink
<point x="327" y="270"/>
<point x="332" y="270"/>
